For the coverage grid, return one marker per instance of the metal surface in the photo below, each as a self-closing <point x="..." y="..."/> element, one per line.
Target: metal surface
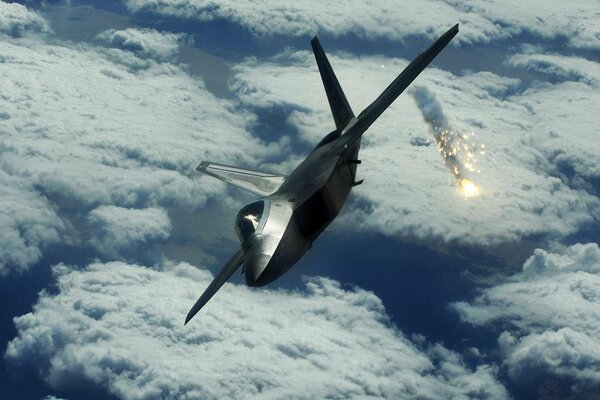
<point x="232" y="265"/>
<point x="295" y="209"/>
<point x="259" y="183"/>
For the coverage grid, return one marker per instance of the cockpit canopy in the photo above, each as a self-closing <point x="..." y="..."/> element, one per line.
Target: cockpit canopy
<point x="249" y="219"/>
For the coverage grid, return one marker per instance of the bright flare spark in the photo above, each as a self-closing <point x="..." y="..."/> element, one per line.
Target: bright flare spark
<point x="458" y="150"/>
<point x="469" y="189"/>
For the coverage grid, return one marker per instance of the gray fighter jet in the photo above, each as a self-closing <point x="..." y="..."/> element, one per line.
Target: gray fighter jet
<point x="278" y="229"/>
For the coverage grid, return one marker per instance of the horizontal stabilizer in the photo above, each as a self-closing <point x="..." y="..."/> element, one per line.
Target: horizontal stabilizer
<point x="228" y="270"/>
<point x="260" y="183"/>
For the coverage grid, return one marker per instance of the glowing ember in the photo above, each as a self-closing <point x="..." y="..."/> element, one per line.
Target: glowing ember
<point x="458" y="151"/>
<point x="469" y="189"/>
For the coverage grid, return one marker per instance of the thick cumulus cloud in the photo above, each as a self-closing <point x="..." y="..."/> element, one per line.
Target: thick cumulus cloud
<point x="409" y="192"/>
<point x="146" y="43"/>
<point x="481" y="22"/>
<point x="17" y="20"/>
<point x="576" y="21"/>
<point x="121" y="327"/>
<point x="558" y="67"/>
<point x="369" y="19"/>
<point x="84" y="126"/>
<point x="549" y="314"/>
<point x="124" y="232"/>
<point x="28" y="224"/>
<point x="568" y="130"/>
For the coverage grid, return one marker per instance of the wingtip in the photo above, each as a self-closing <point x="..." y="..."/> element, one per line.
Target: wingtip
<point x="451" y="32"/>
<point x="228" y="269"/>
<point x="315" y="41"/>
<point x="202" y="166"/>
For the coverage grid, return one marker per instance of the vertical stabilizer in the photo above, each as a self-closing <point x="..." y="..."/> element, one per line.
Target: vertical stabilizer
<point x="342" y="113"/>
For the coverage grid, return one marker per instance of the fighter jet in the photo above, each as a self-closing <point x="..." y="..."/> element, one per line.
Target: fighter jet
<point x="293" y="210"/>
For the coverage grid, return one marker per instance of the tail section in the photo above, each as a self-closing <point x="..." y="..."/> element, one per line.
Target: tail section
<point x="342" y="113"/>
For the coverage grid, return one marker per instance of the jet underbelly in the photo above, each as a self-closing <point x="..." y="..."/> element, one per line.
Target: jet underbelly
<point x="321" y="208"/>
<point x="290" y="249"/>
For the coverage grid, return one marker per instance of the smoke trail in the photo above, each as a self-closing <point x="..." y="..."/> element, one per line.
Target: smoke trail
<point x="431" y="109"/>
<point x="454" y="146"/>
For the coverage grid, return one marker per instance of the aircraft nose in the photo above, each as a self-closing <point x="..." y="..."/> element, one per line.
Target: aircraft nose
<point x="254" y="266"/>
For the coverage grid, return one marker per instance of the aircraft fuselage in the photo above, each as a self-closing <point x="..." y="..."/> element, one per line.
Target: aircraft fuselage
<point x="307" y="202"/>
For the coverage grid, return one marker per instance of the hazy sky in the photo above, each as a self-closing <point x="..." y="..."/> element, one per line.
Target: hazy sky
<point x="418" y="290"/>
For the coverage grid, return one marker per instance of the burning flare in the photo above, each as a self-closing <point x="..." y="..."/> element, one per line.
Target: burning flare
<point x="469" y="189"/>
<point x="456" y="147"/>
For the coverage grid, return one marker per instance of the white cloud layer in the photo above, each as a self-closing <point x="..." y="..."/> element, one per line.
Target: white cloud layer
<point x="28" y="224"/>
<point x="564" y="117"/>
<point x="145" y="43"/>
<point x="409" y="191"/>
<point x="121" y="327"/>
<point x="84" y="126"/>
<point x="549" y="314"/>
<point x="123" y="232"/>
<point x="488" y="21"/>
<point x="17" y="20"/>
<point x="557" y="66"/>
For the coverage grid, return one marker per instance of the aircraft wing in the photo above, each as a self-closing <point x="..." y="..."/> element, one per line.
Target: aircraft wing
<point x="260" y="183"/>
<point x="373" y="111"/>
<point x="228" y="270"/>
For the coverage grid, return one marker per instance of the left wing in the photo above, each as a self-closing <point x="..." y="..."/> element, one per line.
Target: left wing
<point x="228" y="270"/>
<point x="260" y="183"/>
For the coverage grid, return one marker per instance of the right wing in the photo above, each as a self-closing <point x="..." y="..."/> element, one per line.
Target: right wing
<point x="373" y="111"/>
<point x="228" y="270"/>
<point x="260" y="183"/>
